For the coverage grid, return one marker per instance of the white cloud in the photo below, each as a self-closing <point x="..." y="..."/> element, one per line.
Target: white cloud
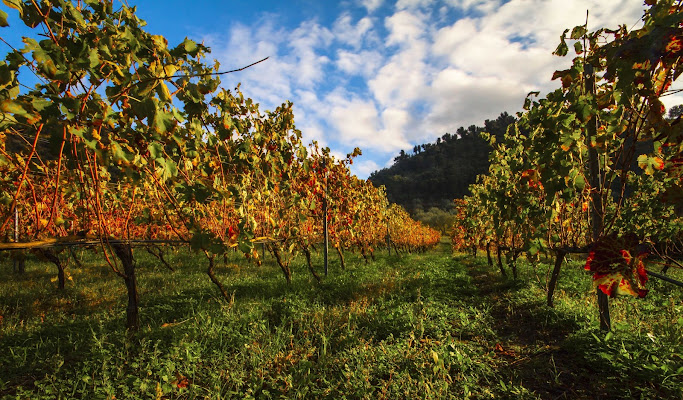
<point x="403" y="79"/>
<point x="490" y="52"/>
<point x="371" y="5"/>
<point x="364" y="63"/>
<point x="356" y="123"/>
<point x="364" y="168"/>
<point x="449" y="38"/>
<point x="516" y="40"/>
<point x="482" y="6"/>
<point x="396" y="120"/>
<point x="405" y="28"/>
<point x="307" y="120"/>
<point x="465" y="100"/>
<point x="495" y="59"/>
<point x="413" y="4"/>
<point x="400" y="82"/>
<point x="305" y="41"/>
<point x="348" y="33"/>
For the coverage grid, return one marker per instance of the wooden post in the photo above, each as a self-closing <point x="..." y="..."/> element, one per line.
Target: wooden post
<point x="15" y="266"/>
<point x="19" y="261"/>
<point x="598" y="209"/>
<point x="488" y="253"/>
<point x="326" y="237"/>
<point x="16" y="224"/>
<point x="388" y="239"/>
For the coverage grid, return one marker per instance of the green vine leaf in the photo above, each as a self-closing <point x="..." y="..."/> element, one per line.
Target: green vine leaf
<point x="3" y="19"/>
<point x="16" y="4"/>
<point x="578" y="32"/>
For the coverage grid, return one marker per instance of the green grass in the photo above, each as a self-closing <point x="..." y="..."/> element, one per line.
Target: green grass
<point x="411" y="326"/>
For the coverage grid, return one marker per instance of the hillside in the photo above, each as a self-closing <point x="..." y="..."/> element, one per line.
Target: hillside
<point x="436" y="173"/>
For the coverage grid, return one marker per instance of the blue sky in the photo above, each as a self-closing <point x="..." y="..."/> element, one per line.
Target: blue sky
<point x="385" y="75"/>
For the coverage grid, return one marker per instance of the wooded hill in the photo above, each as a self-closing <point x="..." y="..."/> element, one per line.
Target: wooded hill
<point x="436" y="173"/>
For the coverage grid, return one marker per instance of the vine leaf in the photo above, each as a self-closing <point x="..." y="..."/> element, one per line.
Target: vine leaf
<point x="3" y="19"/>
<point x="16" y="4"/>
<point x="578" y="32"/>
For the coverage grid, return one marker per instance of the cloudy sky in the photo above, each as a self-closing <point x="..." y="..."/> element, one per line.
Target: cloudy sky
<point x="385" y="75"/>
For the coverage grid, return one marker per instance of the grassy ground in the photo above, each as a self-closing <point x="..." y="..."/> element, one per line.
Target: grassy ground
<point x="412" y="326"/>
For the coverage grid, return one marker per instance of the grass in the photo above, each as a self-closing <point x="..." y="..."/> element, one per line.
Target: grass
<point x="427" y="325"/>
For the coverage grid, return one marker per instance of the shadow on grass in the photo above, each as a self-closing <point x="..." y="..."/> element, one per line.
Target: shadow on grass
<point x="30" y="355"/>
<point x="554" y="353"/>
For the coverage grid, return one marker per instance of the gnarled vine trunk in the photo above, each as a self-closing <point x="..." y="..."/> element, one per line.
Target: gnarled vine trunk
<point x="159" y="254"/>
<point x="307" y="253"/>
<point x="52" y="257"/>
<point x="500" y="260"/>
<point x="212" y="276"/>
<point x="125" y="254"/>
<point x="559" y="258"/>
<point x="286" y="271"/>
<point x="341" y="255"/>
